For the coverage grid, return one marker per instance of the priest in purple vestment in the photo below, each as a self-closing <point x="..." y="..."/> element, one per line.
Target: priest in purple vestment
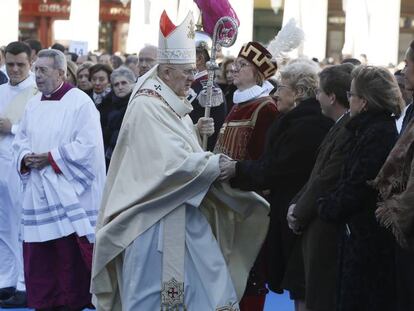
<point x="60" y="158"/>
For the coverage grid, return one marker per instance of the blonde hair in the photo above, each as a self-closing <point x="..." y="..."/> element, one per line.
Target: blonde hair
<point x="302" y="75"/>
<point x="83" y="66"/>
<point x="379" y="88"/>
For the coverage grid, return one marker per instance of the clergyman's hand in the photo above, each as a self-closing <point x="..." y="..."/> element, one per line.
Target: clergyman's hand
<point x="5" y="126"/>
<point x="27" y="160"/>
<point x="292" y="220"/>
<point x="205" y="126"/>
<point x="227" y="168"/>
<point x="38" y="161"/>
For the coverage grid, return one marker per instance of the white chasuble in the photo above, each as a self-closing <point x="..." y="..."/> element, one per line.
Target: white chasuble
<point x="167" y="237"/>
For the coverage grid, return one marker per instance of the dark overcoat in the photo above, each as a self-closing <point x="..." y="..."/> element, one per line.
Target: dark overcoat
<point x="112" y="111"/>
<point x="319" y="239"/>
<point x="290" y="153"/>
<point x="366" y="278"/>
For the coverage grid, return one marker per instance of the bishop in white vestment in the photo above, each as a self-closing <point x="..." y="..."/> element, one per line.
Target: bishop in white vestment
<point x="167" y="237"/>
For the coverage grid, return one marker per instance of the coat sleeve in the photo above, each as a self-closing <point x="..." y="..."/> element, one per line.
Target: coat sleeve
<point x="352" y="189"/>
<point x="265" y="118"/>
<point x="293" y="155"/>
<point x="306" y="205"/>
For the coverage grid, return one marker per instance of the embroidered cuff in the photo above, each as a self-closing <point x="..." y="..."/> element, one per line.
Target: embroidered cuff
<point x="53" y="163"/>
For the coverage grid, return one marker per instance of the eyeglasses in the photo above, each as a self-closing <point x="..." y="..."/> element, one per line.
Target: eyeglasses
<point x="239" y="65"/>
<point x="349" y="94"/>
<point x="281" y="87"/>
<point x="187" y="72"/>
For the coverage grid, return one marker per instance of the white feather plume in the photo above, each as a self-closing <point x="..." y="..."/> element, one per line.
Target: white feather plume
<point x="287" y="39"/>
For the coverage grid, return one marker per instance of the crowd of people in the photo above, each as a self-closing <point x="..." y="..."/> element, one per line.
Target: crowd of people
<point x="108" y="201"/>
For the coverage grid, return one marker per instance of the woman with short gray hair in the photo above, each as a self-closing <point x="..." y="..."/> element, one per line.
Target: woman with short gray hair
<point x="299" y="82"/>
<point x="123" y="72"/>
<point x="292" y="145"/>
<point x="113" y="107"/>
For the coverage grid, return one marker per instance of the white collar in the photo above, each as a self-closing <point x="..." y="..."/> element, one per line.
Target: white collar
<point x="50" y="95"/>
<point x="342" y="116"/>
<point x="29" y="81"/>
<point x="254" y="92"/>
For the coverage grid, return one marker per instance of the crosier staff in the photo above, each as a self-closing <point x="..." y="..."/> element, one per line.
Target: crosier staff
<point x="225" y="34"/>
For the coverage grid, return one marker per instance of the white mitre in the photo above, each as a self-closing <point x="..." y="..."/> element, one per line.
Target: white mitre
<point x="176" y="43"/>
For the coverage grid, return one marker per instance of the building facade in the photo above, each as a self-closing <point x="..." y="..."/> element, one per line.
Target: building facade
<point x="332" y="27"/>
<point x="38" y="18"/>
<point x="269" y="16"/>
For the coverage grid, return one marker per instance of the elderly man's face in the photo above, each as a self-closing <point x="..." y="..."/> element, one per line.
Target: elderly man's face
<point x="105" y="59"/>
<point x="409" y="71"/>
<point x="48" y="78"/>
<point x="146" y="60"/>
<point x="406" y="94"/>
<point x="180" y="78"/>
<point x="18" y="67"/>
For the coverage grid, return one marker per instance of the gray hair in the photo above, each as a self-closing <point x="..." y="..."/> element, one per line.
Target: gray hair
<point x="302" y="75"/>
<point x="123" y="72"/>
<point x="59" y="59"/>
<point x="379" y="88"/>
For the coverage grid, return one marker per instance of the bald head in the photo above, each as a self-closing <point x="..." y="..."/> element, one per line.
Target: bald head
<point x="147" y="58"/>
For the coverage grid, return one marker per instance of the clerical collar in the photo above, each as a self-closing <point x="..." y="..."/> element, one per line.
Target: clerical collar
<point x="24" y="84"/>
<point x="58" y="93"/>
<point x="254" y="92"/>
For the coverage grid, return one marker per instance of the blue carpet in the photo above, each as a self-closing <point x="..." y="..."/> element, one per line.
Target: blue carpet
<point x="274" y="302"/>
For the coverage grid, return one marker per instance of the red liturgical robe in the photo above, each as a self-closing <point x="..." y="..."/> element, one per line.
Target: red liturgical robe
<point x="243" y="134"/>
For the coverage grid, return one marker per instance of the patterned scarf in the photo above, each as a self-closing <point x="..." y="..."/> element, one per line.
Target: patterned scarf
<point x="395" y="183"/>
<point x="98" y="98"/>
